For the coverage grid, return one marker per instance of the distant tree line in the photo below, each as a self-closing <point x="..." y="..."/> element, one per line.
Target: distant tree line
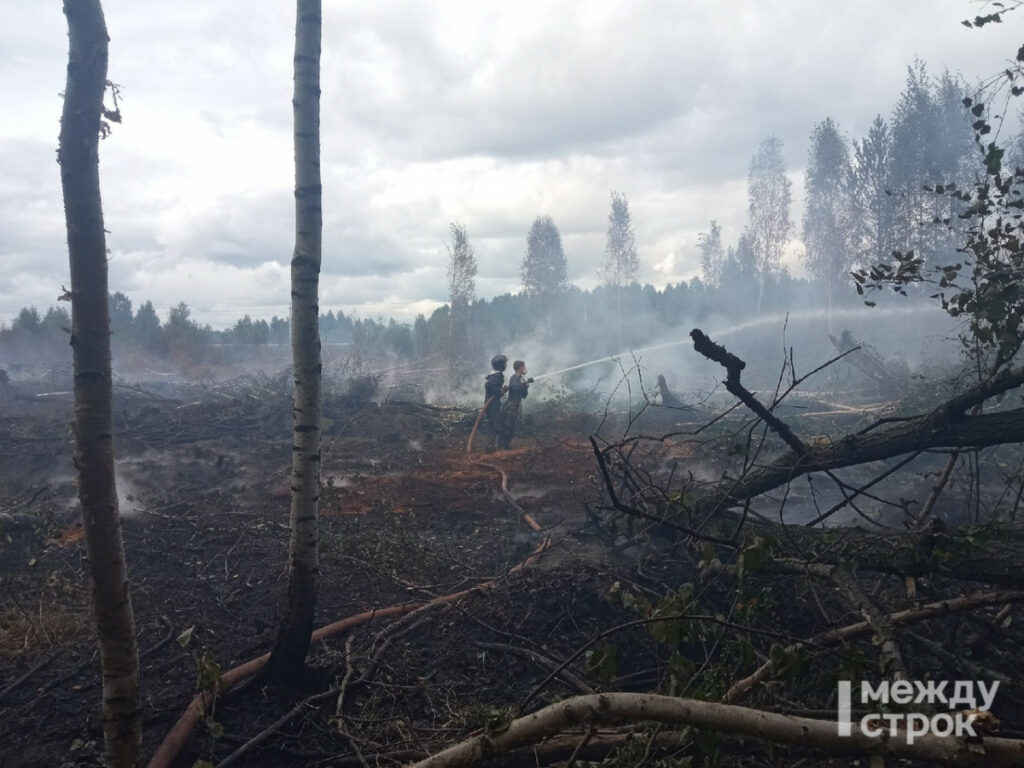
<point x="865" y="199"/>
<point x="637" y="314"/>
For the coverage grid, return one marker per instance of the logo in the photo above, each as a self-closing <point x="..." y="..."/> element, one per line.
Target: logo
<point x="975" y="696"/>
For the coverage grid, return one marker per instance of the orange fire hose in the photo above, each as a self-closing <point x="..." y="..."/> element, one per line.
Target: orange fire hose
<point x="197" y="708"/>
<point x="504" y="477"/>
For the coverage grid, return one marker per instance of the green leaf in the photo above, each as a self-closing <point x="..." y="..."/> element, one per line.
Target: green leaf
<point x="216" y="729"/>
<point x="207" y="674"/>
<point x="497" y="722"/>
<point x="604" y="661"/>
<point x="993" y="159"/>
<point x="186" y="637"/>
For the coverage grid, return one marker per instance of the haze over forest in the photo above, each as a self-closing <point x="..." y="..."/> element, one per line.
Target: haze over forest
<point x="747" y="283"/>
<point x="472" y="113"/>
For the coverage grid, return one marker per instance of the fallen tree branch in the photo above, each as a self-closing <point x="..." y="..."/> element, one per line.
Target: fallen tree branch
<point x="620" y="708"/>
<point x="932" y="430"/>
<point x="542" y="661"/>
<point x="946" y="426"/>
<point x="950" y="554"/>
<point x="733" y="365"/>
<point x="643" y="622"/>
<point x="631" y="510"/>
<point x="178" y="735"/>
<point x="891" y="661"/>
<point x="269" y="731"/>
<point x="910" y="616"/>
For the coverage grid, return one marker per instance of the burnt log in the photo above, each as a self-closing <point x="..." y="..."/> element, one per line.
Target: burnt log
<point x="668" y="398"/>
<point x="950" y="425"/>
<point x="870" y="362"/>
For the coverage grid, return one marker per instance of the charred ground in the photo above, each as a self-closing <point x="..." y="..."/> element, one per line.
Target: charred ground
<point x="204" y="496"/>
<point x="407" y="516"/>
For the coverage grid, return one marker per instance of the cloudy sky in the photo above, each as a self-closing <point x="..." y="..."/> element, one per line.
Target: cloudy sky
<point x="486" y="113"/>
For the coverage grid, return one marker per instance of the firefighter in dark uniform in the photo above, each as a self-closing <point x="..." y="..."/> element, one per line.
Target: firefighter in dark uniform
<point x="518" y="389"/>
<point x="494" y="388"/>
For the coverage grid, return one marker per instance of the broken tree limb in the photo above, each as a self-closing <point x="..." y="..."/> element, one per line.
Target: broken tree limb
<point x="869" y="362"/>
<point x="938" y="429"/>
<point x="947" y="426"/>
<point x="910" y="616"/>
<point x="200" y="704"/>
<point x="990" y="555"/>
<point x="630" y="510"/>
<point x="733" y="366"/>
<point x="621" y="708"/>
<point x="987" y="555"/>
<point x="891" y="660"/>
<point x="541" y="661"/>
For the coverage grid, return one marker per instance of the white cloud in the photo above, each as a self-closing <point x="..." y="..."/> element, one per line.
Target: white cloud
<point x="480" y="112"/>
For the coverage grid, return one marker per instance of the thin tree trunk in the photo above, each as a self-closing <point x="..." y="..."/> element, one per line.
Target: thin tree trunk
<point x="90" y="341"/>
<point x="293" y="640"/>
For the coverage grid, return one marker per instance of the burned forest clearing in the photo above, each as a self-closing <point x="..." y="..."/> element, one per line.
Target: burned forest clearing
<point x="325" y="464"/>
<point x="481" y="586"/>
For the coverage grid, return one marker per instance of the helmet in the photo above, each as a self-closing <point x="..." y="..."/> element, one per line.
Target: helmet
<point x="498" y="362"/>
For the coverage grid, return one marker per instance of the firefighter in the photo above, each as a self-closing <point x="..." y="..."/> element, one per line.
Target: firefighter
<point x="494" y="389"/>
<point x="518" y="389"/>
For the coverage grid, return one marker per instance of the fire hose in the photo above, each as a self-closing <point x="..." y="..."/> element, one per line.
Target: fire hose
<point x="201" y="703"/>
<point x="504" y="476"/>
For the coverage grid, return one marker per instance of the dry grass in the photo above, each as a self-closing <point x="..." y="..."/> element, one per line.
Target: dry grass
<point x="44" y="620"/>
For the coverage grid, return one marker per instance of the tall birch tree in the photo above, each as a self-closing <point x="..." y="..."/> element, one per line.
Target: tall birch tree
<point x="621" y="264"/>
<point x="293" y="639"/>
<point x="770" y="196"/>
<point x="543" y="270"/>
<point x="873" y="207"/>
<point x="461" y="291"/>
<point x="826" y="222"/>
<point x="712" y="255"/>
<point x="80" y="127"/>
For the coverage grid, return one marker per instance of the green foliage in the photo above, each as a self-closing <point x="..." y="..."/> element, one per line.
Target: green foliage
<point x="621" y="262"/>
<point x="787" y="662"/>
<point x="983" y="285"/>
<point x="543" y="269"/>
<point x="207" y="673"/>
<point x="754" y="556"/>
<point x="603" y="662"/>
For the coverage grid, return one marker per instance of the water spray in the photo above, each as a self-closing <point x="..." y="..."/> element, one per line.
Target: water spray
<point x="777" y="318"/>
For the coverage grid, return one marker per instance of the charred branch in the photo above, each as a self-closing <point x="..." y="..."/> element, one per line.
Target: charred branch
<point x="944" y="427"/>
<point x="733" y="366"/>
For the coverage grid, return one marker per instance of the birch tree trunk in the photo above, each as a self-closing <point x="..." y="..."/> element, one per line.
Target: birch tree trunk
<point x="78" y="156"/>
<point x="293" y="639"/>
